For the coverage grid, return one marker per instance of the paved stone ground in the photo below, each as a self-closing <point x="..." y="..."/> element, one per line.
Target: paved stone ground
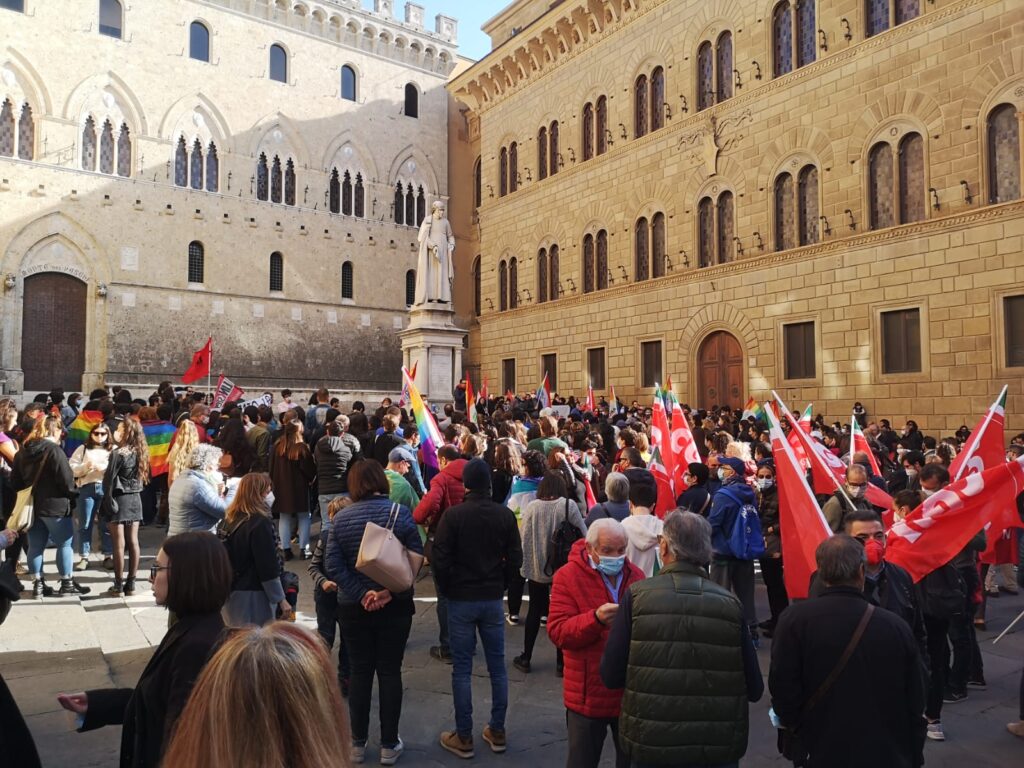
<point x="67" y="644"/>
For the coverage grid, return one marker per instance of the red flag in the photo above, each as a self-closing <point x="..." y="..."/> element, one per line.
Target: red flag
<point x="483" y="390"/>
<point x="805" y="420"/>
<point x="684" y="447"/>
<point x="859" y="444"/>
<point x="801" y="524"/>
<point x="591" y="498"/>
<point x="200" y="363"/>
<point x="985" y="446"/>
<point x="936" y="531"/>
<point x="591" y="404"/>
<point x="663" y="479"/>
<point x="791" y="438"/>
<point x="662" y="437"/>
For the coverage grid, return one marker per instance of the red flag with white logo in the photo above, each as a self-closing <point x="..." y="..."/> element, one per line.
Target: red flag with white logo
<point x="684" y="446"/>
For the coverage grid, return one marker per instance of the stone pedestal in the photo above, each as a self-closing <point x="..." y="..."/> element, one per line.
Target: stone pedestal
<point x="433" y="343"/>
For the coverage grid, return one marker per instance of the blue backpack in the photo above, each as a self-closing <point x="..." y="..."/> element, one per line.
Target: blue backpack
<point x="746" y="542"/>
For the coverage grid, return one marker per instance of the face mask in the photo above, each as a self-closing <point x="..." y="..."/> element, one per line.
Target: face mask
<point x="855" y="493"/>
<point x="911" y="473"/>
<point x="611" y="566"/>
<point x="269" y="500"/>
<point x="765" y="483"/>
<point x="928" y="493"/>
<point x="721" y="474"/>
<point x="875" y="552"/>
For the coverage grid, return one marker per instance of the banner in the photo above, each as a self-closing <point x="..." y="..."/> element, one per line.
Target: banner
<point x="264" y="399"/>
<point x="226" y="392"/>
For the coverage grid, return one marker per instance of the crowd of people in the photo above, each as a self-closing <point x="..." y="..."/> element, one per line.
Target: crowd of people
<point x="651" y="610"/>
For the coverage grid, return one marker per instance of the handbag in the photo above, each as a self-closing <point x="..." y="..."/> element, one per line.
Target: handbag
<point x="23" y="514"/>
<point x="384" y="559"/>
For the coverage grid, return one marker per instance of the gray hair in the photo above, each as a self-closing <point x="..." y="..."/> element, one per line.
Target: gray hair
<point x="205" y="455"/>
<point x="688" y="536"/>
<point x="616" y="486"/>
<point x="856" y="469"/>
<point x="342" y="421"/>
<point x="607" y="525"/>
<point x="839" y="559"/>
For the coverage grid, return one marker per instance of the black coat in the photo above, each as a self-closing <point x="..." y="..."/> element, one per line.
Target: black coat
<point x="149" y="712"/>
<point x="881" y="688"/>
<point x="16" y="745"/>
<point x="252" y="549"/>
<point x="55" y="488"/>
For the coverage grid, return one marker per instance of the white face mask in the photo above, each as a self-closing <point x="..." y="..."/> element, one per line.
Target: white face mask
<point x="269" y="500"/>
<point x="765" y="483"/>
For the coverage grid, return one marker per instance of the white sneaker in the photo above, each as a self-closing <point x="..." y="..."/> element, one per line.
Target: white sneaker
<point x="935" y="732"/>
<point x="390" y="755"/>
<point x="358" y="753"/>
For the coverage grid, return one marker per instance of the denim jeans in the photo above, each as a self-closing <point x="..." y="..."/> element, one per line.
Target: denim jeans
<point x="86" y="513"/>
<point x="465" y="619"/>
<point x="323" y="500"/>
<point x="284" y="529"/>
<point x="62" y="531"/>
<point x="327" y="627"/>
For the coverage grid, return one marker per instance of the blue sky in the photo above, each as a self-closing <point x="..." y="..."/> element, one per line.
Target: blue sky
<point x="470" y="13"/>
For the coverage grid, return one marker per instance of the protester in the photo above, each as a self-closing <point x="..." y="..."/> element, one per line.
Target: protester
<point x="333" y="455"/>
<point x="89" y="464"/>
<point x="616" y="489"/>
<point x="199" y="498"/>
<point x="396" y="471"/>
<point x="292" y="472"/>
<point x="121" y="508"/>
<point x="642" y="527"/>
<point x="731" y="569"/>
<point x="771" y="561"/>
<point x="325" y="596"/>
<point x="521" y="493"/>
<point x="185" y="441"/>
<point x="696" y="497"/>
<point x="239" y="456"/>
<point x="847" y="499"/>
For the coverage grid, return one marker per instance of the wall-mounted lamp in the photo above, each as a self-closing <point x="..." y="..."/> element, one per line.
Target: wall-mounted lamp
<point x="668" y="110"/>
<point x="572" y="285"/>
<point x="683" y="106"/>
<point x="490" y="304"/>
<point x="668" y="262"/>
<point x="935" y="198"/>
<point x="529" y="296"/>
<point x="736" y="78"/>
<point x="739" y="245"/>
<point x="823" y="40"/>
<point x="252" y="180"/>
<point x="757" y="70"/>
<point x="847" y="32"/>
<point x="529" y="175"/>
<point x="623" y="129"/>
<point x="760" y="242"/>
<point x="9" y="282"/>
<point x="686" y="258"/>
<point x="101" y="290"/>
<point x="611" y="280"/>
<point x="824" y="225"/>
<point x="519" y="179"/>
<point x="851" y="222"/>
<point x="490" y="191"/>
<point x="625" y="277"/>
<point x="572" y="154"/>
<point x="608" y="138"/>
<point x="229" y="181"/>
<point x="968" y="197"/>
<point x="561" y="160"/>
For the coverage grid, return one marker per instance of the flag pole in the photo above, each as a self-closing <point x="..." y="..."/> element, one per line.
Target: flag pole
<point x="1012" y="623"/>
<point x="209" y="373"/>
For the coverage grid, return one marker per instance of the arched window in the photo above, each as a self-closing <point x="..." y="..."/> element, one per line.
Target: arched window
<point x="289" y="183"/>
<point x="110" y="18"/>
<point x="410" y="207"/>
<point x="553" y="281"/>
<point x="658" y="98"/>
<point x="262" y="178"/>
<point x="410" y="287"/>
<point x="89" y="144"/>
<point x="601" y="129"/>
<point x="503" y="172"/>
<point x="360" y="203"/>
<point x="658" y="245"/>
<point x="785" y="212"/>
<point x="640" y="99"/>
<point x="906" y="10"/>
<point x="513" y="283"/>
<point x="715" y="230"/>
<point x="181" y="163"/>
<point x="7" y="129"/>
<point x="602" y="259"/>
<point x="642" y="236"/>
<point x="513" y="167"/>
<point x="1003" y="154"/>
<point x="334" y="192"/>
<point x="348" y="83"/>
<point x="588" y="264"/>
<point x="542" y="153"/>
<point x="726" y="227"/>
<point x="476" y="287"/>
<point x="912" y="183"/>
<point x="705" y="76"/>
<point x="502" y="286"/>
<point x="196" y="262"/>
<point x="807" y="205"/>
<point x="421" y="206"/>
<point x="723" y="66"/>
<point x="198" y="41"/>
<point x="124" y="152"/>
<point x="212" y="168"/>
<point x="346" y="194"/>
<point x="477" y="184"/>
<point x="706" y="232"/>
<point x="26" y="134"/>
<point x="806" y="32"/>
<point x="275" y="180"/>
<point x="276" y="271"/>
<point x="412" y="101"/>
<point x="196" y="167"/>
<point x="346" y="280"/>
<point x="782" y="39"/>
<point x="542" y="276"/>
<point x="588" y="131"/>
<point x="880" y="186"/>
<point x="553" y="157"/>
<point x="107" y="148"/>
<point x="278" y="64"/>
<point x="399" y="204"/>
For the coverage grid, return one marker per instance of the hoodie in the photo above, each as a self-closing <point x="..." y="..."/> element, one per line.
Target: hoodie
<point x="643" y="530"/>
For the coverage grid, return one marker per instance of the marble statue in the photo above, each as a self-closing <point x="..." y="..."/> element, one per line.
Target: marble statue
<point x="434" y="273"/>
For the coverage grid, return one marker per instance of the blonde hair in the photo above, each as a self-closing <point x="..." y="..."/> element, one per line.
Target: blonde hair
<point x="185" y="441"/>
<point x="738" y="450"/>
<point x="336" y="505"/>
<point x="249" y="498"/>
<point x="268" y="698"/>
<point x="47" y="426"/>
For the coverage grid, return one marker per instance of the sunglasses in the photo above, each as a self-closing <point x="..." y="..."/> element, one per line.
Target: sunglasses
<point x="101" y="432"/>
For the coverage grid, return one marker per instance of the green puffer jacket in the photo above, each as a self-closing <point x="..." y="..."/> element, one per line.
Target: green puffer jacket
<point x="686" y="695"/>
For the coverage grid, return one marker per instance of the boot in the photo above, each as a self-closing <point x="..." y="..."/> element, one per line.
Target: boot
<point x="129" y="587"/>
<point x="38" y="585"/>
<point x="72" y="587"/>
<point x="115" y="589"/>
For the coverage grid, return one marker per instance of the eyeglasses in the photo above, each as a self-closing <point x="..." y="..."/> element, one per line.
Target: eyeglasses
<point x="101" y="432"/>
<point x="155" y="569"/>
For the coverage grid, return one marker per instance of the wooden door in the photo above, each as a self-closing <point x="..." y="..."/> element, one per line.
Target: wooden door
<point x="720" y="371"/>
<point x="53" y="332"/>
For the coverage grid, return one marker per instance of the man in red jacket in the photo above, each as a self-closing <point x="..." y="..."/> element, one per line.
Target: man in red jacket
<point x="584" y="600"/>
<point x="446" y="490"/>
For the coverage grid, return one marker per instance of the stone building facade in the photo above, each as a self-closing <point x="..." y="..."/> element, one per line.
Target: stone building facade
<point x="252" y="170"/>
<point x="818" y="197"/>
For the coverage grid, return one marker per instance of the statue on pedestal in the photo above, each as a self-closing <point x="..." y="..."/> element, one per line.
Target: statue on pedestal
<point x="434" y="274"/>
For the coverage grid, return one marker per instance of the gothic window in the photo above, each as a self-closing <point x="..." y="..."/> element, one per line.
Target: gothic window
<point x="642" y="244"/>
<point x="275" y="180"/>
<point x="1003" y="154"/>
<point x="513" y="167"/>
<point x="907" y="10"/>
<point x="782" y="38"/>
<point x="196" y="166"/>
<point x="602" y="259"/>
<point x="503" y="172"/>
<point x="198" y="41"/>
<point x="412" y="101"/>
<point x="785" y="212"/>
<point x="553" y="142"/>
<point x="542" y="276"/>
<point x="360" y="201"/>
<point x="588" y="264"/>
<point x="278" y="64"/>
<point x="334" y="192"/>
<point x="124" y="152"/>
<point x="421" y="206"/>
<point x="410" y="207"/>
<point x="706" y="232"/>
<point x="513" y="283"/>
<point x="346" y="194"/>
<point x="107" y="148"/>
<point x="705" y="76"/>
<point x="262" y="178"/>
<point x="276" y="271"/>
<point x="601" y="128"/>
<point x="346" y="280"/>
<point x="477" y="184"/>
<point x="289" y="183"/>
<point x="212" y="168"/>
<point x="880" y="186"/>
<point x="588" y="131"/>
<point x="806" y="32"/>
<point x="89" y="145"/>
<point x="399" y="204"/>
<point x="877" y="16"/>
<point x="657" y="98"/>
<point x="181" y="163"/>
<point x="912" y="184"/>
<point x="348" y="83"/>
<point x="7" y="129"/>
<point x="723" y="65"/>
<point x="476" y="287"/>
<point x="640" y="103"/>
<point x="196" y="262"/>
<point x="26" y="134"/>
<point x="542" y="153"/>
<point x="410" y="287"/>
<point x="110" y="18"/>
<point x="502" y="286"/>
<point x="726" y="227"/>
<point x="556" y="289"/>
<point x="658" y="245"/>
<point x="807" y="205"/>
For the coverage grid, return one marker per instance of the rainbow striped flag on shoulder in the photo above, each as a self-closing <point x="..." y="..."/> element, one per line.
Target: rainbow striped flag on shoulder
<point x="79" y="430"/>
<point x="158" y="438"/>
<point x="752" y="408"/>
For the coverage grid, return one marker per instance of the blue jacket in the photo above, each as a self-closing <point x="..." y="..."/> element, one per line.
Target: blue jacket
<point x="414" y="469"/>
<point x="724" y="507"/>
<point x="193" y="504"/>
<point x="346" y="536"/>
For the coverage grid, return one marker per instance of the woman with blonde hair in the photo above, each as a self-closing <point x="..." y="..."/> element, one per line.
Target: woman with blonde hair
<point x="279" y="679"/>
<point x="185" y="441"/>
<point x="252" y="545"/>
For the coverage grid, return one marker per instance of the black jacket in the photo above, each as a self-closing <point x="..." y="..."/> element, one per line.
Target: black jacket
<point x="149" y="712"/>
<point x="333" y="456"/>
<point x="16" y="745"/>
<point x="252" y="549"/>
<point x="695" y="498"/>
<point x="881" y="688"/>
<point x="383" y="445"/>
<point x="477" y="549"/>
<point x="55" y="488"/>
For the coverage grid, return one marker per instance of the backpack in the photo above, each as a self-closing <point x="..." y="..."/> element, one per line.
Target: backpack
<point x="565" y="535"/>
<point x="746" y="542"/>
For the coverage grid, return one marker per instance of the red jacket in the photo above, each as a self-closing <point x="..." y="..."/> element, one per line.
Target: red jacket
<point x="577" y="592"/>
<point x="446" y="490"/>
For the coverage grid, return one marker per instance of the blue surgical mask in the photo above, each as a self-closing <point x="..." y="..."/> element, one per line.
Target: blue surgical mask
<point x="611" y="566"/>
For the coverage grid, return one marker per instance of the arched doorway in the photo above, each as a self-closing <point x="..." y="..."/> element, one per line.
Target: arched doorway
<point x="53" y="332"/>
<point x="720" y="371"/>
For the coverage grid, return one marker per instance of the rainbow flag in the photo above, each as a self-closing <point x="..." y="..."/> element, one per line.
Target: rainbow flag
<point x="79" y="430"/>
<point x="430" y="435"/>
<point x="158" y="438"/>
<point x="753" y="409"/>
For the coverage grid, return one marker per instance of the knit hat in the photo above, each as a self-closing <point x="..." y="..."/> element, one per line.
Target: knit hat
<point x="476" y="476"/>
<point x="736" y="465"/>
